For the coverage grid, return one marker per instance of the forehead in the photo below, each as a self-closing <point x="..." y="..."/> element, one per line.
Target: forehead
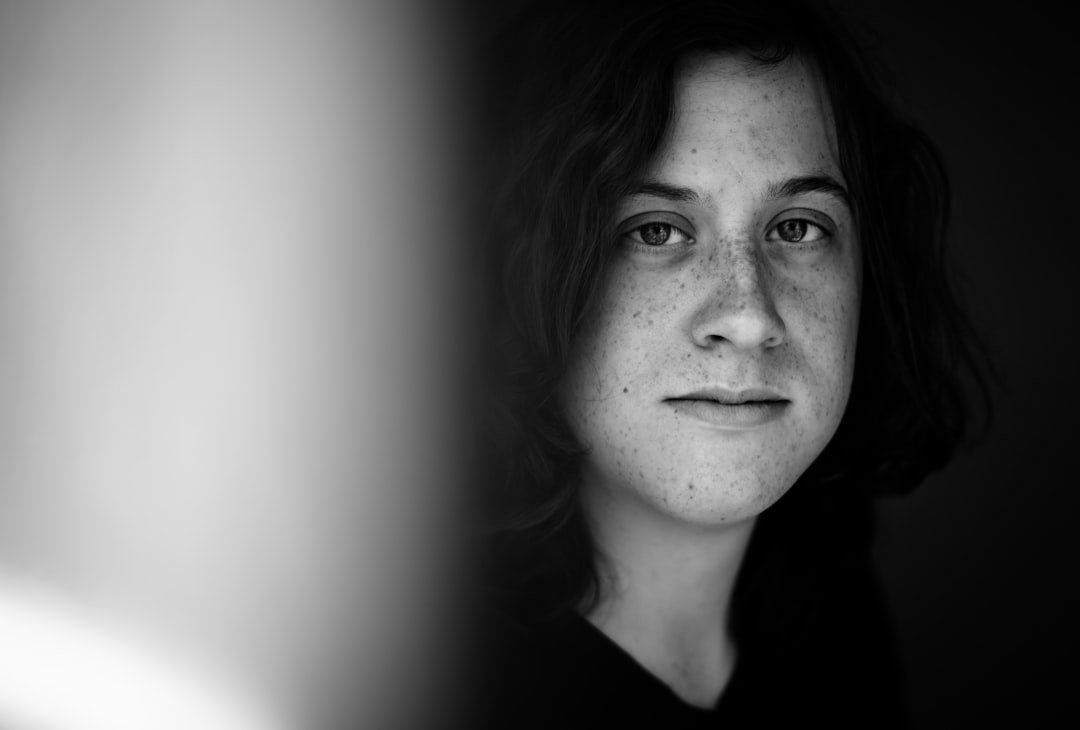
<point x="736" y="115"/>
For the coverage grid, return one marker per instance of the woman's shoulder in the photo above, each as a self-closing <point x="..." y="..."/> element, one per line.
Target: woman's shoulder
<point x="531" y="671"/>
<point x="821" y="643"/>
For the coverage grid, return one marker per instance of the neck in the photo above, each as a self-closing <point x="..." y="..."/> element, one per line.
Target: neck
<point x="669" y="590"/>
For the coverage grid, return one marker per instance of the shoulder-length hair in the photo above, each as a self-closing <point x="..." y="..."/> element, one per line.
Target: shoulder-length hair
<point x="582" y="97"/>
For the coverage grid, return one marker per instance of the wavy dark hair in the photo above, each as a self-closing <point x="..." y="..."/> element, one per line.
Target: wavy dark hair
<point x="581" y="98"/>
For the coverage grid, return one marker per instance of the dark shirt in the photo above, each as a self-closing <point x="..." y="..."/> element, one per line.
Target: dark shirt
<point x="834" y="666"/>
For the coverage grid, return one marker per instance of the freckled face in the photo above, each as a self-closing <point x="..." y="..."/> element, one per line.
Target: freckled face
<point x="719" y="359"/>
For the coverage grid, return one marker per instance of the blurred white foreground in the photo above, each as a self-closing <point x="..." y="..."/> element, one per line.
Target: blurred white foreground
<point x="227" y="326"/>
<point x="61" y="668"/>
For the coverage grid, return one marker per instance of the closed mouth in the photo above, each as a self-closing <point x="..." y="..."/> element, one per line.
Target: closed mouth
<point x="732" y="398"/>
<point x="731" y="410"/>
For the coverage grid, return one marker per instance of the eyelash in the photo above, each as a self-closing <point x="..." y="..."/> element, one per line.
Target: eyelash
<point x="674" y="230"/>
<point x="823" y="233"/>
<point x="808" y="239"/>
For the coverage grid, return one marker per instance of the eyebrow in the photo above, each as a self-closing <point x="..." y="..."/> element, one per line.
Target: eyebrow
<point x="810" y="184"/>
<point x="675" y="193"/>
<point x="787" y="189"/>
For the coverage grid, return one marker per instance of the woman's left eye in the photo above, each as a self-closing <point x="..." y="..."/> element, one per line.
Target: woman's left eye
<point x="797" y="230"/>
<point x="657" y="233"/>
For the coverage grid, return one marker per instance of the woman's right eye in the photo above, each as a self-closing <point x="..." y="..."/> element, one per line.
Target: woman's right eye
<point x="655" y="234"/>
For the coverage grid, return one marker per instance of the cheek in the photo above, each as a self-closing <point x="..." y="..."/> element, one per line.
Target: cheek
<point x="621" y="344"/>
<point x="822" y="317"/>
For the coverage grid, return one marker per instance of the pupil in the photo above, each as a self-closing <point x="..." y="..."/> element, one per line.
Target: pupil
<point x="655" y="234"/>
<point x="792" y="231"/>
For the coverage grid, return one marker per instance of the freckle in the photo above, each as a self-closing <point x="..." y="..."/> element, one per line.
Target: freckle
<point x="693" y="151"/>
<point x="637" y="314"/>
<point x="625" y="390"/>
<point x="650" y="323"/>
<point x="691" y="486"/>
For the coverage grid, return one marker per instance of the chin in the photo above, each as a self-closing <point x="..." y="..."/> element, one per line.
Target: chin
<point x="715" y="499"/>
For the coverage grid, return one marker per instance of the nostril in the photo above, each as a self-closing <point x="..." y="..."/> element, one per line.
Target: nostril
<point x="742" y="323"/>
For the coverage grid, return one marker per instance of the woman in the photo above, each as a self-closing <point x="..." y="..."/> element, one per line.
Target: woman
<point x="722" y="283"/>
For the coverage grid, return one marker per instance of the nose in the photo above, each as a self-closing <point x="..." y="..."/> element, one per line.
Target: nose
<point x="739" y="308"/>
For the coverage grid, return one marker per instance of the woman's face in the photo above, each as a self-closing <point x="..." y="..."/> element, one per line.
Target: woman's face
<point x="718" y="360"/>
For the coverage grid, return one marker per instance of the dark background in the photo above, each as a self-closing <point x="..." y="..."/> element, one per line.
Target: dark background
<point x="981" y="562"/>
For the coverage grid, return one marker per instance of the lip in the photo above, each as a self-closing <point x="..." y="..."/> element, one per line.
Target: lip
<point x="731" y="409"/>
<point x="732" y="397"/>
